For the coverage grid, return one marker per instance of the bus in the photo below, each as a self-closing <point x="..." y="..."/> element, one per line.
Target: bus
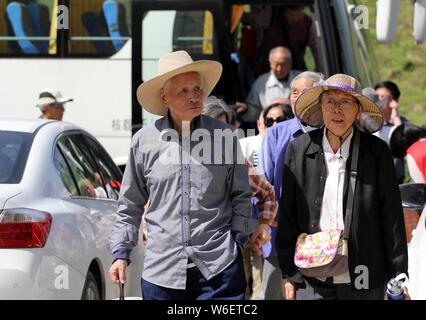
<point x="99" y="51"/>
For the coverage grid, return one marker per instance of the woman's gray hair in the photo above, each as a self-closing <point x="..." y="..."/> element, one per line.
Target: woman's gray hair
<point x="215" y="107"/>
<point x="316" y="77"/>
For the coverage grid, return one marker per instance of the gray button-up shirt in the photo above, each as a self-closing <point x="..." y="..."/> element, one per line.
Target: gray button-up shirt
<point x="194" y="206"/>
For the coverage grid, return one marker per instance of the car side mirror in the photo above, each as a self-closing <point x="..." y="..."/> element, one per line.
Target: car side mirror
<point x="386" y="20"/>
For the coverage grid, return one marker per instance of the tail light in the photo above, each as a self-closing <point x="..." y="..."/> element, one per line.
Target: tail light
<point x="24" y="228"/>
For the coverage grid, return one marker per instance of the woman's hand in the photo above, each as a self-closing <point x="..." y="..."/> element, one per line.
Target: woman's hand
<point x="259" y="238"/>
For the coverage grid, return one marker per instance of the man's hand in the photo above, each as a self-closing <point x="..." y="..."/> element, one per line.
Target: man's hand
<point x="406" y="294"/>
<point x="395" y="116"/>
<point x="289" y="289"/>
<point x="241" y="107"/>
<point x="260" y="237"/>
<point x="117" y="271"/>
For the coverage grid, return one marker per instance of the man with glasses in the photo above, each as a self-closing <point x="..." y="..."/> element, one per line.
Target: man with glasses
<point x="51" y="104"/>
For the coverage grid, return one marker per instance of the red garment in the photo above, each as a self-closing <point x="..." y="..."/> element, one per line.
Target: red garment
<point x="418" y="151"/>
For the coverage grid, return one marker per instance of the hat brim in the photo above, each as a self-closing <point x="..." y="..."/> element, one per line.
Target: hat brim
<point x="148" y="93"/>
<point x="43" y="101"/>
<point x="65" y="100"/>
<point x="308" y="107"/>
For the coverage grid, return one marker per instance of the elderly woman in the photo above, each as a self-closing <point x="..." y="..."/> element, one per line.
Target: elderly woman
<point x="340" y="235"/>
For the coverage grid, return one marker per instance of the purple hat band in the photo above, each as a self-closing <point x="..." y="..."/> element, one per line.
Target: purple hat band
<point x="343" y="86"/>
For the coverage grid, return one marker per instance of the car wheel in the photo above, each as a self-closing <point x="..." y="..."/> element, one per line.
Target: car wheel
<point x="91" y="288"/>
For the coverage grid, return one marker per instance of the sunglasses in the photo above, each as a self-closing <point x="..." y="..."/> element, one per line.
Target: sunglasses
<point x="269" y="122"/>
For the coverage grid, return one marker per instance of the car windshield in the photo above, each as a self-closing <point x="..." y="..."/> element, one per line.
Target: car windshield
<point x="14" y="150"/>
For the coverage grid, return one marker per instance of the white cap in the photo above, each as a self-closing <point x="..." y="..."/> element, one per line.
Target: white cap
<point x="50" y="96"/>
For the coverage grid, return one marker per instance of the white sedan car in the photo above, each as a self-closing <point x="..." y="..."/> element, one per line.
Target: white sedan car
<point x="58" y="197"/>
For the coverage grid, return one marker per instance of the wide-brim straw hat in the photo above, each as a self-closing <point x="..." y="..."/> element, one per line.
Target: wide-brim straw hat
<point x="173" y="64"/>
<point x="308" y="106"/>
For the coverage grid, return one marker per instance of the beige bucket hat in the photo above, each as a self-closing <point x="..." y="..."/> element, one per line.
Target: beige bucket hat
<point x="308" y="106"/>
<point x="170" y="65"/>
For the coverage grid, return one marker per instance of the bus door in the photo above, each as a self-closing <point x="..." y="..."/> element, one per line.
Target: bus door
<point x="199" y="27"/>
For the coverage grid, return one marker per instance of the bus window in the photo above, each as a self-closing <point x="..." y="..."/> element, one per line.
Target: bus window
<point x="99" y="27"/>
<point x="164" y="31"/>
<point x="28" y="27"/>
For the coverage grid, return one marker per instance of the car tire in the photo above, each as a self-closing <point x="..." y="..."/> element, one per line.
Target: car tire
<point x="91" y="288"/>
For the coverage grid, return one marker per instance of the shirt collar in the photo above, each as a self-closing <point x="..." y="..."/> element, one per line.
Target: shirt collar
<point x="168" y="122"/>
<point x="345" y="146"/>
<point x="273" y="81"/>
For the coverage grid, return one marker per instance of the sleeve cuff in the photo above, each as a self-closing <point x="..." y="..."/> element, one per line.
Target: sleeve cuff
<point x="122" y="254"/>
<point x="240" y="239"/>
<point x="296" y="277"/>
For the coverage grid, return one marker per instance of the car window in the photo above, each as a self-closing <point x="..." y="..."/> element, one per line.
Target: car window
<point x="111" y="175"/>
<point x="14" y="150"/>
<point x="64" y="172"/>
<point x="82" y="166"/>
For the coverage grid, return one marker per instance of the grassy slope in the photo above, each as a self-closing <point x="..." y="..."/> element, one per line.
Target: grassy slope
<point x="403" y="62"/>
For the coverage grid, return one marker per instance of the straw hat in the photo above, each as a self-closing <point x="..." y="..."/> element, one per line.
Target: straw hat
<point x="170" y="65"/>
<point x="308" y="106"/>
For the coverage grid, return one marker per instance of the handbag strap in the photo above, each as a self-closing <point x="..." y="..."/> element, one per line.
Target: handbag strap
<point x="352" y="182"/>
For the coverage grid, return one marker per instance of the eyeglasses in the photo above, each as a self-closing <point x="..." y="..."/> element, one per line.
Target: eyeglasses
<point x="345" y="104"/>
<point x="269" y="122"/>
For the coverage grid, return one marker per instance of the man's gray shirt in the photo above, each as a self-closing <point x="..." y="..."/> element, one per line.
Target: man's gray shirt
<point x="194" y="206"/>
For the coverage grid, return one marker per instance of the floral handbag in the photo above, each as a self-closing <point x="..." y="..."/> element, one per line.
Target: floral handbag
<point x="325" y="254"/>
<point x="322" y="254"/>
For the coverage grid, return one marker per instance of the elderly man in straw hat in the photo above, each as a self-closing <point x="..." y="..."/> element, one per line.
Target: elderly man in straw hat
<point x="199" y="208"/>
<point x="340" y="235"/>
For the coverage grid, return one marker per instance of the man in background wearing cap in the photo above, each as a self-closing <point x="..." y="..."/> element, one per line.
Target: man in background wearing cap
<point x="199" y="209"/>
<point x="51" y="104"/>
